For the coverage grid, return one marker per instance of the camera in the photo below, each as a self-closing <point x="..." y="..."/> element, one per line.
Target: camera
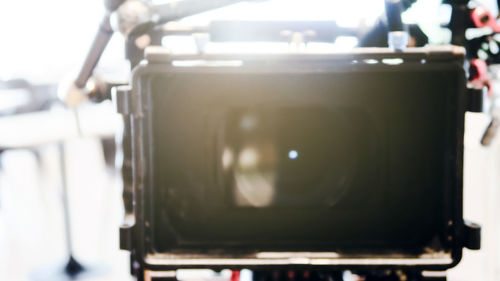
<point x="311" y="161"/>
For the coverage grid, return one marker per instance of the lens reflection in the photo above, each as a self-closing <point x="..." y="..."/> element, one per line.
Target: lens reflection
<point x="255" y="174"/>
<point x="287" y="157"/>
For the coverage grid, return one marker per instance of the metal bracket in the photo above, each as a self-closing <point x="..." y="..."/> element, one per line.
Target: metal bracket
<point x="126" y="236"/>
<point x="121" y="96"/>
<point x="472" y="235"/>
<point x="126" y="103"/>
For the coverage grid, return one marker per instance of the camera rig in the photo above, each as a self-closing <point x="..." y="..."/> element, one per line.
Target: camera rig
<point x="140" y="108"/>
<point x="150" y="261"/>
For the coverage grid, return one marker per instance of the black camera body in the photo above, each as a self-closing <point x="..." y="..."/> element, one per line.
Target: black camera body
<point x="295" y="161"/>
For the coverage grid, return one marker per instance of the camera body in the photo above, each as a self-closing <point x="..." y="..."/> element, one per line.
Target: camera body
<point x="295" y="161"/>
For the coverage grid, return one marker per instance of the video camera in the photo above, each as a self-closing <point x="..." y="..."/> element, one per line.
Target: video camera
<point x="296" y="161"/>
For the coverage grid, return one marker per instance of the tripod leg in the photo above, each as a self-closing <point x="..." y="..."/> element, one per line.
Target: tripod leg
<point x="73" y="267"/>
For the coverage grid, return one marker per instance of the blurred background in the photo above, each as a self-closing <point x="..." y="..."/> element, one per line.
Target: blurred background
<point x="44" y="144"/>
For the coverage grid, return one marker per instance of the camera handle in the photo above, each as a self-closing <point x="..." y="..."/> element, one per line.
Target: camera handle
<point x="136" y="18"/>
<point x="133" y="18"/>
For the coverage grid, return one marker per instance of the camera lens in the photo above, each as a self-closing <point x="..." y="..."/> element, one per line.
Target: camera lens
<point x="288" y="156"/>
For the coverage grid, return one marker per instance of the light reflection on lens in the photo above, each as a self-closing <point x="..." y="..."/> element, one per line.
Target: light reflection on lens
<point x="248" y="158"/>
<point x="293" y="154"/>
<point x="255" y="174"/>
<point x="248" y="122"/>
<point x="254" y="189"/>
<point x="227" y="158"/>
<point x="287" y="157"/>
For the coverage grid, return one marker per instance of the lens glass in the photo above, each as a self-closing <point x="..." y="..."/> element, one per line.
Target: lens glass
<point x="292" y="156"/>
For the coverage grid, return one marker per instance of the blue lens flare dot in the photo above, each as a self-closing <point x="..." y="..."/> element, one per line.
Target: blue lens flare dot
<point x="293" y="154"/>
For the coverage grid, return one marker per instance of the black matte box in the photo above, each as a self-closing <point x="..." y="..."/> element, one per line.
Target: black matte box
<point x="301" y="160"/>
